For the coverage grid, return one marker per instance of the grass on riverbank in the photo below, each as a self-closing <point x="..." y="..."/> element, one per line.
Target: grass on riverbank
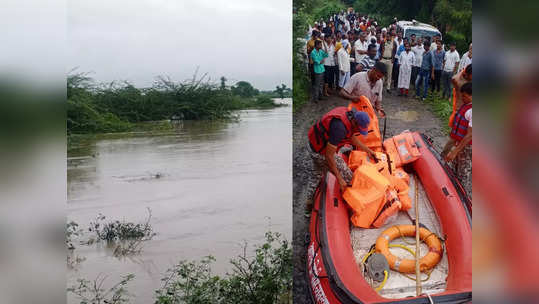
<point x="121" y="107"/>
<point x="441" y="107"/>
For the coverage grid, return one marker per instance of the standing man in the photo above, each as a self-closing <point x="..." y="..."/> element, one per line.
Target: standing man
<point x="368" y="61"/>
<point x="458" y="148"/>
<point x="399" y="40"/>
<point x="406" y="59"/>
<point x="329" y="65"/>
<point x="413" y="42"/>
<point x="418" y="54"/>
<point x="426" y="72"/>
<point x="368" y="84"/>
<point x="458" y="81"/>
<point x="396" y="64"/>
<point x="336" y="128"/>
<point x="451" y="64"/>
<point x="466" y="59"/>
<point x="439" y="57"/>
<point x="360" y="48"/>
<point x="317" y="56"/>
<point x="310" y="47"/>
<point x="352" y="39"/>
<point x="388" y="49"/>
<point x="343" y="59"/>
<point x="436" y="38"/>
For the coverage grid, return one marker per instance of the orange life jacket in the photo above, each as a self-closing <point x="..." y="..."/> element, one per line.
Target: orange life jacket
<point x="373" y="140"/>
<point x="319" y="132"/>
<point x="402" y="149"/>
<point x="389" y="209"/>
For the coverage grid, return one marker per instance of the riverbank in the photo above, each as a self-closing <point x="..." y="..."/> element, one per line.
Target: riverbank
<point x="403" y="114"/>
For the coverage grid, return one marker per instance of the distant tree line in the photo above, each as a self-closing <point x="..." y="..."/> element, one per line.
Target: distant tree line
<point x="118" y="106"/>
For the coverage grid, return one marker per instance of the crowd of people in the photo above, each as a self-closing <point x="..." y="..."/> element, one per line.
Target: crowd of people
<point x="350" y="43"/>
<point x="351" y="55"/>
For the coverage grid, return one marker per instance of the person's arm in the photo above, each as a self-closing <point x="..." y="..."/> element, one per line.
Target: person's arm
<point x="450" y="144"/>
<point x="331" y="150"/>
<point x="466" y="140"/>
<point x="394" y="51"/>
<point x="347" y="95"/>
<point x="432" y="65"/>
<point x="357" y="142"/>
<point x="456" y="67"/>
<point x="457" y="88"/>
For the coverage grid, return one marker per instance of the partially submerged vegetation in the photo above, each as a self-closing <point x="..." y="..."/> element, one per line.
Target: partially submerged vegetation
<point x="265" y="277"/>
<point x="94" y="292"/>
<point x="124" y="238"/>
<point x="121" y="107"/>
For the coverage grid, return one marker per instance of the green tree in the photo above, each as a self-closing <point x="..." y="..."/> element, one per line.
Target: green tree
<point x="223" y="82"/>
<point x="244" y="89"/>
<point x="281" y="90"/>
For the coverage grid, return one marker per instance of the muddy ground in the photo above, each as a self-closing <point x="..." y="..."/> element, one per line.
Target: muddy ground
<point x="403" y="113"/>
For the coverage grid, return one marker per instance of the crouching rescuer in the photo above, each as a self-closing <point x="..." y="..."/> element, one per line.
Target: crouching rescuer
<point x="335" y="129"/>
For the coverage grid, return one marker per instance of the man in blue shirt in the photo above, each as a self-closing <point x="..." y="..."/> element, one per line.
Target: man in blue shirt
<point x="426" y="71"/>
<point x="438" y="56"/>
<point x="317" y="56"/>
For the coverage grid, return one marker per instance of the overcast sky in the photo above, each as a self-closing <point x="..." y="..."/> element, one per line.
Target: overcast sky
<point x="137" y="40"/>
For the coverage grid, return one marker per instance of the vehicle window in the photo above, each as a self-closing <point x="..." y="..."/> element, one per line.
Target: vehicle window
<point x="419" y="32"/>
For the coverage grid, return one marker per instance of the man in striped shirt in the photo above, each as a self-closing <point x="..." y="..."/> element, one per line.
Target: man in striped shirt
<point x="368" y="61"/>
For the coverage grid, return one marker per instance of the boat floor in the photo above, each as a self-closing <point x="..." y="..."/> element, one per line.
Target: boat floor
<point x="397" y="285"/>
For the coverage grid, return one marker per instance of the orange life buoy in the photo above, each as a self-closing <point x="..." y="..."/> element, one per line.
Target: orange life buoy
<point x="408" y="265"/>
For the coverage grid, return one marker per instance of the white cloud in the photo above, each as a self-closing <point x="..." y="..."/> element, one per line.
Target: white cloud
<point x="138" y="40"/>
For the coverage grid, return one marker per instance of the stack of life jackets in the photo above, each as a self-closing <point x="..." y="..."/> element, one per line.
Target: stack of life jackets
<point x="380" y="188"/>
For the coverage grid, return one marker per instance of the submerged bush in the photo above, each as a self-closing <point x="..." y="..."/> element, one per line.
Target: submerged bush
<point x="265" y="277"/>
<point x="93" y="292"/>
<point x="126" y="236"/>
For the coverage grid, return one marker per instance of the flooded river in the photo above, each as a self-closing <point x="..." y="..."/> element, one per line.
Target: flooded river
<point x="210" y="187"/>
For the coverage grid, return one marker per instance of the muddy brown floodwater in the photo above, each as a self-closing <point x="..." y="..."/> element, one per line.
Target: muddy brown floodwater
<point x="403" y="114"/>
<point x="210" y="186"/>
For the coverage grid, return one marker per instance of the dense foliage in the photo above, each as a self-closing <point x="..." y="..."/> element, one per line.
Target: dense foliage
<point x="116" y="107"/>
<point x="305" y="13"/>
<point x="264" y="278"/>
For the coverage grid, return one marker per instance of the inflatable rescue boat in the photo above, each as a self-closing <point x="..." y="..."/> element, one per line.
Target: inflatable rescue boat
<point x="339" y="254"/>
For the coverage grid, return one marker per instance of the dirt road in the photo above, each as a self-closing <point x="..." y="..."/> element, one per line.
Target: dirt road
<point x="403" y="113"/>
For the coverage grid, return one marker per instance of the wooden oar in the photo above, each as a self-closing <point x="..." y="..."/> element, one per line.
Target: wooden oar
<point x="417" y="270"/>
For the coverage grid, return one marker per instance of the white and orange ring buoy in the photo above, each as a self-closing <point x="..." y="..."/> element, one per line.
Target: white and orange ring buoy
<point x="408" y="265"/>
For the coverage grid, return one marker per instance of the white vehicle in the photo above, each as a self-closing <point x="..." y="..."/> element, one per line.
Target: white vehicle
<point x="419" y="29"/>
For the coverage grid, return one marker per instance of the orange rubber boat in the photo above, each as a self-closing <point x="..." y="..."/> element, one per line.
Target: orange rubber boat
<point x="334" y="272"/>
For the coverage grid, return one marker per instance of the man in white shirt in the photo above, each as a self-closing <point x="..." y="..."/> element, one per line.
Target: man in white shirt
<point x="369" y="84"/>
<point x="466" y="59"/>
<point x="418" y="51"/>
<point x="398" y="40"/>
<point x="343" y="59"/>
<point x="451" y="64"/>
<point x="360" y="47"/>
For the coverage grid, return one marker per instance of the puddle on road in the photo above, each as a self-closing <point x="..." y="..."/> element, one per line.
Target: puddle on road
<point x="406" y="115"/>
